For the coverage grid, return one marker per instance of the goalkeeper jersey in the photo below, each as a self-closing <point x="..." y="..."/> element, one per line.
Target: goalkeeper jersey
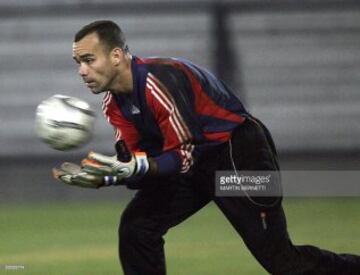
<point x="177" y="110"/>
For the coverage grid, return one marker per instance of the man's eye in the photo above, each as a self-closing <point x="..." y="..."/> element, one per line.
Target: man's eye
<point x="88" y="60"/>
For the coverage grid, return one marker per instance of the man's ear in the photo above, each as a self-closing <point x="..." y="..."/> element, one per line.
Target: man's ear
<point x="117" y="56"/>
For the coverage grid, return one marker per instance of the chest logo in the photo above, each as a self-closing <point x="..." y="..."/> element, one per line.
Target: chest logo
<point x="135" y="110"/>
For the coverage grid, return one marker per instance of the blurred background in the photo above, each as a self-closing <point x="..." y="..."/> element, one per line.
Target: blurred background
<point x="295" y="65"/>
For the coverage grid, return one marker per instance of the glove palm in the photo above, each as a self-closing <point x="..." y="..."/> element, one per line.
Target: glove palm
<point x="73" y="174"/>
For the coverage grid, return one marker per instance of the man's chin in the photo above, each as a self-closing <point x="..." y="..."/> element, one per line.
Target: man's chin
<point x="96" y="91"/>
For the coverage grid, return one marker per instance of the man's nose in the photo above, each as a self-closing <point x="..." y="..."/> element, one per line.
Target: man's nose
<point x="83" y="71"/>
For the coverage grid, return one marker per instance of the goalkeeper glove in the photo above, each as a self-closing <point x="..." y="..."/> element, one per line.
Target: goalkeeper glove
<point x="114" y="171"/>
<point x="73" y="174"/>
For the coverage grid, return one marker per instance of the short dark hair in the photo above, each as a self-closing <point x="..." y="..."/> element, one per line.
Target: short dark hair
<point x="108" y="32"/>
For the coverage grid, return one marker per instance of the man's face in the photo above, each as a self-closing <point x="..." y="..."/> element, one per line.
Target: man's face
<point x="95" y="66"/>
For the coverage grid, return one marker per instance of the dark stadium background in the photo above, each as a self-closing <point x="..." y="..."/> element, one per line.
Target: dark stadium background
<point x="295" y="65"/>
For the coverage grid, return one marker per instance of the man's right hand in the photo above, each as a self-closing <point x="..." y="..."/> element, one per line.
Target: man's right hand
<point x="73" y="174"/>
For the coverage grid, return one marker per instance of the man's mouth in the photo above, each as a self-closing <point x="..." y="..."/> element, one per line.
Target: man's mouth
<point x="90" y="83"/>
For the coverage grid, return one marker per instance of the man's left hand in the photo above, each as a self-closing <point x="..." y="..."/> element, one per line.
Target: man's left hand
<point x="73" y="174"/>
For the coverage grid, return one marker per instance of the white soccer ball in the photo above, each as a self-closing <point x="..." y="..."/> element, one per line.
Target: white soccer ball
<point x="64" y="122"/>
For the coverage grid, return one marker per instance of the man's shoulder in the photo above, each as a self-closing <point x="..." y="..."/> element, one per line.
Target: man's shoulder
<point x="161" y="61"/>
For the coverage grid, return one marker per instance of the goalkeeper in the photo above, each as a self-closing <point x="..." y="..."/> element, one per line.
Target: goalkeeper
<point x="175" y="125"/>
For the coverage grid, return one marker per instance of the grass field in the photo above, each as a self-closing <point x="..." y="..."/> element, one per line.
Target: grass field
<point x="82" y="238"/>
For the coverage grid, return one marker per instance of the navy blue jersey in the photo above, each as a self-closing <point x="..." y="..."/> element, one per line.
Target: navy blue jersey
<point x="177" y="110"/>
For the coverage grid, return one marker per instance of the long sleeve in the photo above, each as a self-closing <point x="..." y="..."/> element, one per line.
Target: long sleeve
<point x="177" y="148"/>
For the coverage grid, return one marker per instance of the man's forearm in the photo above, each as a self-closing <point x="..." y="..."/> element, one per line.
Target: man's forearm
<point x="153" y="168"/>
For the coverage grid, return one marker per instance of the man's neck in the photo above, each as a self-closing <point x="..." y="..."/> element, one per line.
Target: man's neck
<point x="124" y="79"/>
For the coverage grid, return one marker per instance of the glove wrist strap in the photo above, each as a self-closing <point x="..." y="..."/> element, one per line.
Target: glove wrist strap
<point x="110" y="180"/>
<point x="142" y="164"/>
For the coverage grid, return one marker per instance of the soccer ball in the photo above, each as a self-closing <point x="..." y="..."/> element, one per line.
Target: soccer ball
<point x="64" y="122"/>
